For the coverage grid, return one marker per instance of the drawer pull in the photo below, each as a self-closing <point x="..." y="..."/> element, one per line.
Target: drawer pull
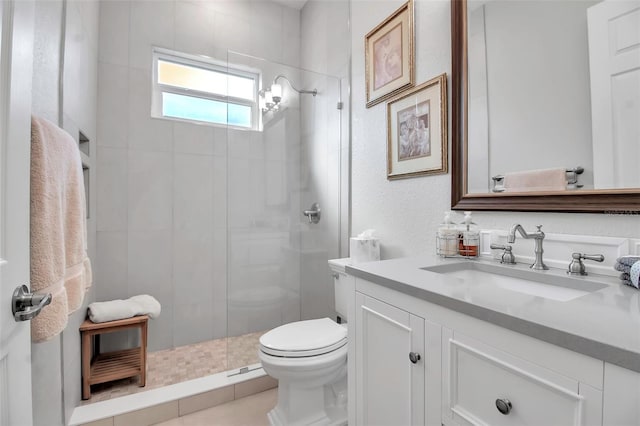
<point x="503" y="405"/>
<point x="414" y="357"/>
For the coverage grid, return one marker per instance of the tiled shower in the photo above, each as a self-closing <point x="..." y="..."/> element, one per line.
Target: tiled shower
<point x="208" y="219"/>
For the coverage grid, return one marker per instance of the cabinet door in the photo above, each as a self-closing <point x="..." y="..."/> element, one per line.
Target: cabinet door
<point x="389" y="384"/>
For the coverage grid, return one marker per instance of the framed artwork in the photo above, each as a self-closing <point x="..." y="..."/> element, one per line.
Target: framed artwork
<point x="389" y="52"/>
<point x="417" y="131"/>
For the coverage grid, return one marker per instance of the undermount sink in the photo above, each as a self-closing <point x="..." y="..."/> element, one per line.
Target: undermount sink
<point x="545" y="284"/>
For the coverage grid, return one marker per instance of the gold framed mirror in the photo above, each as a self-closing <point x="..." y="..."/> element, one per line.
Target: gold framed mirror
<point x="584" y="200"/>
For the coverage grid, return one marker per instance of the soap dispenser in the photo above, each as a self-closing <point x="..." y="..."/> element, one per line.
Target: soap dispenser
<point x="469" y="237"/>
<point x="447" y="237"/>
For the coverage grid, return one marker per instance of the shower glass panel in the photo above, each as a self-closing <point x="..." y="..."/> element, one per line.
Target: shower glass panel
<point x="276" y="259"/>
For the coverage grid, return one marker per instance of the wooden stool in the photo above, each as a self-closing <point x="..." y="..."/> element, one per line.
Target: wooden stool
<point x="101" y="368"/>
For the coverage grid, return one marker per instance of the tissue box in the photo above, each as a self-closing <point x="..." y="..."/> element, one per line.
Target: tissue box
<point x="364" y="249"/>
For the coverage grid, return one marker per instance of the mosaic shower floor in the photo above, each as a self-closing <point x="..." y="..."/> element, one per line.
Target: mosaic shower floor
<point x="171" y="366"/>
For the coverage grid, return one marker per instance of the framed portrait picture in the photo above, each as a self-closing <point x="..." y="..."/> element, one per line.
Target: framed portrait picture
<point x="417" y="131"/>
<point x="389" y="52"/>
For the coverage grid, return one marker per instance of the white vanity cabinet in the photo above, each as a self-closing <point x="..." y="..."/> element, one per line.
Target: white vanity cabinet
<point x="390" y="364"/>
<point x="470" y="372"/>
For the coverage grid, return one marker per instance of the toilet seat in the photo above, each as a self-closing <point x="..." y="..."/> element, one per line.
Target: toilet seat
<point x="304" y="339"/>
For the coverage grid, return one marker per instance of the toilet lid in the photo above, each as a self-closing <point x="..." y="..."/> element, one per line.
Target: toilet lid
<point x="304" y="338"/>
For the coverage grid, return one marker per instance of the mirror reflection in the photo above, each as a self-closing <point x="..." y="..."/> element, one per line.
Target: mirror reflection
<point x="554" y="95"/>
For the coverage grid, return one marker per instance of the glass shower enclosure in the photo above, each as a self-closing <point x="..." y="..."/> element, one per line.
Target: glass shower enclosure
<point x="289" y="163"/>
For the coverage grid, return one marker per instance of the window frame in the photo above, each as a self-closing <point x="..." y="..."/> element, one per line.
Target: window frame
<point x="209" y="64"/>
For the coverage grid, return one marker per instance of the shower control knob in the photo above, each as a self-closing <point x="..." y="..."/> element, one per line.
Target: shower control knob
<point x="414" y="357"/>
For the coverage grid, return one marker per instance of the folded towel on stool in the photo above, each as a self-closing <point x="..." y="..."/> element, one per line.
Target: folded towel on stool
<point x="121" y="309"/>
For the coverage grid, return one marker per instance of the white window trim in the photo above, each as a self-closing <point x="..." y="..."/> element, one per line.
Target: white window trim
<point x="206" y="63"/>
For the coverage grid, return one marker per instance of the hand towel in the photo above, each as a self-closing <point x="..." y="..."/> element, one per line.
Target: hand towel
<point x="536" y="180"/>
<point x="120" y="309"/>
<point x="634" y="275"/>
<point x="627" y="260"/>
<point x="59" y="262"/>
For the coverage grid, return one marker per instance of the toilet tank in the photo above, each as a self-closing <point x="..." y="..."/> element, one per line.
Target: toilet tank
<point x="341" y="289"/>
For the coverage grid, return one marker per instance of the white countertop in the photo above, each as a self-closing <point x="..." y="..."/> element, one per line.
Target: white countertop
<point x="604" y="324"/>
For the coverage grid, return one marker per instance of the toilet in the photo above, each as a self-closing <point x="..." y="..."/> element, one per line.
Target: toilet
<point x="309" y="359"/>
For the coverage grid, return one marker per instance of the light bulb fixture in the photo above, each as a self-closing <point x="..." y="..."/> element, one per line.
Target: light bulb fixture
<point x="276" y="92"/>
<point x="270" y="98"/>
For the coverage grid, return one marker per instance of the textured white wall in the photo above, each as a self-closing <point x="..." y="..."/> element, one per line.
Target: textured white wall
<point x="406" y="213"/>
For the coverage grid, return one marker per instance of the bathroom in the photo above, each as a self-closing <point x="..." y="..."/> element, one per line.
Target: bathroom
<point x="92" y="73"/>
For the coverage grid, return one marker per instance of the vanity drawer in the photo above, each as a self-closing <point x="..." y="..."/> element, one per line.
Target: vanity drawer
<point x="479" y="378"/>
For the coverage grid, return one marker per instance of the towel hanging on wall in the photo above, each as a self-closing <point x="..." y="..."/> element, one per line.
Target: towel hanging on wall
<point x="59" y="261"/>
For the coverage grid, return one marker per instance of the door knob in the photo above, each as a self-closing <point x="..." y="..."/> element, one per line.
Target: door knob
<point x="414" y="357"/>
<point x="25" y="305"/>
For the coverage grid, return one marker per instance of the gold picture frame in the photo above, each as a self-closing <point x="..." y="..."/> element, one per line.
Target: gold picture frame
<point x="417" y="131"/>
<point x="389" y="56"/>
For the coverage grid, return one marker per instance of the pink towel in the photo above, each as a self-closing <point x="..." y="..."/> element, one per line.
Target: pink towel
<point x="536" y="180"/>
<point x="59" y="262"/>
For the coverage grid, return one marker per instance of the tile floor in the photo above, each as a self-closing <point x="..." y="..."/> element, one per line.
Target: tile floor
<point x="248" y="411"/>
<point x="184" y="363"/>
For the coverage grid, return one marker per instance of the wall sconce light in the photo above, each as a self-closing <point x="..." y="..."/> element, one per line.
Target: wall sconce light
<point x="271" y="97"/>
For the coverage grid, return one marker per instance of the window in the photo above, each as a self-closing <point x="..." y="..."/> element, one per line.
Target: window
<point x="187" y="87"/>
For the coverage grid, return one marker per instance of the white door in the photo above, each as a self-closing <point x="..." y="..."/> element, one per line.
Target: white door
<point x="16" y="63"/>
<point x="614" y="61"/>
<point x="390" y="372"/>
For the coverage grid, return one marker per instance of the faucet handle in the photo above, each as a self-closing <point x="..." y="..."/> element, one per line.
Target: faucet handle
<point x="595" y="257"/>
<point x="507" y="255"/>
<point x="576" y="267"/>
<point x="539" y="228"/>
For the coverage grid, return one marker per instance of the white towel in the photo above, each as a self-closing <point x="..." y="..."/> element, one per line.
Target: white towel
<point x="121" y="309"/>
<point x="59" y="262"/>
<point x="536" y="180"/>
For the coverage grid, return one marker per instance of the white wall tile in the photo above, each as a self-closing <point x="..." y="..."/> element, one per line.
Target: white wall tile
<point x="150" y="270"/>
<point x="150" y="190"/>
<point x="150" y="264"/>
<point x="113" y="96"/>
<point x="193" y="267"/>
<point x="190" y="138"/>
<point x="291" y="42"/>
<point x="232" y="32"/>
<point x="194" y="26"/>
<point x="192" y="322"/>
<point x="220" y="192"/>
<point x="219" y="306"/>
<point x="81" y="65"/>
<point x="151" y="24"/>
<point x="110" y="271"/>
<point x="144" y="132"/>
<point x="112" y="189"/>
<point x="114" y="32"/>
<point x="193" y="193"/>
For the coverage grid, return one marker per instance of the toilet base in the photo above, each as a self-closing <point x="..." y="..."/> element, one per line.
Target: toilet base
<point x="319" y="406"/>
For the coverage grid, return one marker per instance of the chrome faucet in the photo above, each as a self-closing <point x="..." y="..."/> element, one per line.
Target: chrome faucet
<point x="538" y="236"/>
